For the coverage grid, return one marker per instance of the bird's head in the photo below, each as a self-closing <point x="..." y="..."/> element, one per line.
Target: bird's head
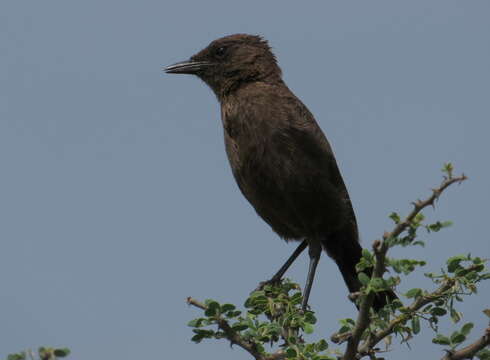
<point x="231" y="61"/>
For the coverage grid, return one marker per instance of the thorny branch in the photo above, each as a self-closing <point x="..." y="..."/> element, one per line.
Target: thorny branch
<point x="235" y="338"/>
<point x="380" y="248"/>
<point x="356" y="348"/>
<point x="362" y="322"/>
<point x="469" y="351"/>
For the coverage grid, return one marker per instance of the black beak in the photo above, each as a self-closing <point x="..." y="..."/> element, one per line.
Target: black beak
<point x="187" y="67"/>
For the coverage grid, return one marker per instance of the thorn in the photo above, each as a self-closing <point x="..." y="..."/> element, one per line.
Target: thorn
<point x="377" y="244"/>
<point x="354" y="295"/>
<point x="449" y="353"/>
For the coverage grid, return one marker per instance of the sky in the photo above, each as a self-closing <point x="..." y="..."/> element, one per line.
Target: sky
<point x="116" y="198"/>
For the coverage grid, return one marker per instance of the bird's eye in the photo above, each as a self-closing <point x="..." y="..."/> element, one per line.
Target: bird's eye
<point x="220" y="52"/>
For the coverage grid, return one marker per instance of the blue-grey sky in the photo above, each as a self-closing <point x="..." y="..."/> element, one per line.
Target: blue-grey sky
<point x="116" y="198"/>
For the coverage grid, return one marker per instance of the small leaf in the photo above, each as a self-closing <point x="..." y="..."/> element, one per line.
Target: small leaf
<point x="453" y="263"/>
<point x="441" y="340"/>
<point x="367" y="255"/>
<point x="62" y="352"/>
<point x="291" y="353"/>
<point x="210" y="311"/>
<point x="466" y="329"/>
<point x="227" y="307"/>
<point x="308" y="328"/>
<point x="239" y="327"/>
<point x="416" y="325"/>
<point x="196" y="322"/>
<point x="197" y="338"/>
<point x="19" y="356"/>
<point x="296" y="298"/>
<point x="477" y="260"/>
<point x="363" y="278"/>
<point x="483" y="354"/>
<point x="310" y="317"/>
<point x="322" y="345"/>
<point x="344" y="329"/>
<point x="395" y="217"/>
<point x="413" y="293"/>
<point x="438" y="311"/>
<point x="457" y="338"/>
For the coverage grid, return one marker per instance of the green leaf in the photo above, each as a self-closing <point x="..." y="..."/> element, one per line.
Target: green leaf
<point x="210" y="311"/>
<point x="197" y="338"/>
<point x="233" y="314"/>
<point x="344" y="329"/>
<point x="291" y="353"/>
<point x="416" y="325"/>
<point x="457" y="338"/>
<point x="308" y="328"/>
<point x="322" y="345"/>
<point x="363" y="278"/>
<point x="260" y="348"/>
<point x="63" y="352"/>
<point x="227" y="307"/>
<point x="413" y="293"/>
<point x="310" y="317"/>
<point x="308" y="349"/>
<point x="466" y="329"/>
<point x="395" y="217"/>
<point x="485" y="276"/>
<point x="448" y="169"/>
<point x="19" y="356"/>
<point x="239" y="326"/>
<point x="441" y="340"/>
<point x="213" y="308"/>
<point x="366" y="254"/>
<point x="453" y="263"/>
<point x="477" y="260"/>
<point x="196" y="322"/>
<point x="296" y="298"/>
<point x="438" y="311"/>
<point x="483" y="354"/>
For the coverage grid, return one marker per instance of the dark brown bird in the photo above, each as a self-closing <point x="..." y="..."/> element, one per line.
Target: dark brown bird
<point x="279" y="156"/>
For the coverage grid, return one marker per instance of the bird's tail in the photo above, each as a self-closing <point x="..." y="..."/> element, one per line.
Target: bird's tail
<point x="344" y="248"/>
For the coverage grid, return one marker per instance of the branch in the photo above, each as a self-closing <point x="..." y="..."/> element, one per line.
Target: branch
<point x="403" y="318"/>
<point x="469" y="351"/>
<point x="380" y="249"/>
<point x="419" y="205"/>
<point x="235" y="338"/>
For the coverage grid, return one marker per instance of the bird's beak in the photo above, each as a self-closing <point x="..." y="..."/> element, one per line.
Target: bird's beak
<point x="187" y="67"/>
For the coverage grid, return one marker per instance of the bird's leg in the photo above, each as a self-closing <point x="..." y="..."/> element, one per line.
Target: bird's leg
<point x="314" y="250"/>
<point x="278" y="275"/>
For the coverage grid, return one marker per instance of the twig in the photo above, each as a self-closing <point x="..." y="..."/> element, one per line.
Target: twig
<point x="235" y="338"/>
<point x="469" y="351"/>
<point x="414" y="307"/>
<point x="419" y="205"/>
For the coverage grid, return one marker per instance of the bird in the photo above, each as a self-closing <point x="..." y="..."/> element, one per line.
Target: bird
<point x="279" y="156"/>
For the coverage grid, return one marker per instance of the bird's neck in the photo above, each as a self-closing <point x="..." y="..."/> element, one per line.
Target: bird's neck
<point x="233" y="87"/>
